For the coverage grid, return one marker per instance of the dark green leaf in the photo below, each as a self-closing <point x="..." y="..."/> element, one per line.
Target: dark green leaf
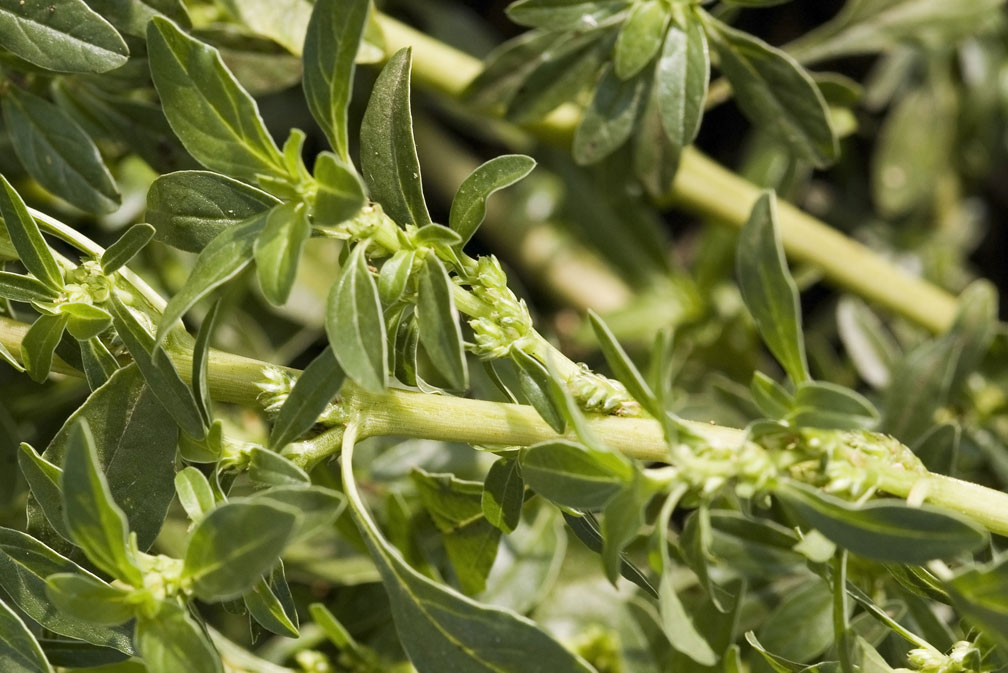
<point x="190" y="208"/>
<point x="572" y="475"/>
<point x="588" y="531"/>
<point x="777" y="94"/>
<point x="85" y="321"/>
<point x="200" y="363"/>
<point x="314" y="389"/>
<point x="158" y="371"/>
<point x="61" y="35"/>
<point x="132" y="16"/>
<point x="808" y="611"/>
<point x="438" y="323"/>
<point x="267" y="467"/>
<point x="194" y="492"/>
<point x="820" y="404"/>
<point x="19" y="651"/>
<point x="683" y="71"/>
<point x="885" y="530"/>
<point x="655" y="157"/>
<point x="621" y="521"/>
<point x="99" y="364"/>
<point x="75" y="654"/>
<point x="270" y="603"/>
<point x="58" y="153"/>
<point x="388" y="152"/>
<point x="356" y="326"/>
<point x="44" y="479"/>
<point x="554" y="14"/>
<point x="221" y="260"/>
<point x="441" y="629"/>
<point x="317" y="506"/>
<point x="469" y="538"/>
<point x="609" y="119"/>
<point x="640" y="38"/>
<point x="92" y="517"/>
<point x="126" y="247"/>
<point x="216" y="120"/>
<point x="768" y="289"/>
<point x="277" y="250"/>
<point x="556" y="81"/>
<point x="980" y="594"/>
<point x="468" y="208"/>
<point x="135" y="441"/>
<point x="24" y="289"/>
<point x="27" y="239"/>
<point x="679" y="629"/>
<point x="89" y="599"/>
<point x="40" y="342"/>
<point x="340" y="193"/>
<point x="503" y="494"/>
<point x="25" y="563"/>
<point x="536" y="384"/>
<point x="234" y="545"/>
<point x="330" y="48"/>
<point x="171" y="641"/>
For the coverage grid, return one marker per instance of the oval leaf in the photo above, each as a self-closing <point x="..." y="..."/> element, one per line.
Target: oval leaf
<point x="312" y="392"/>
<point x="61" y="35"/>
<point x="468" y="208"/>
<point x="356" y="326"/>
<point x="438" y="323"/>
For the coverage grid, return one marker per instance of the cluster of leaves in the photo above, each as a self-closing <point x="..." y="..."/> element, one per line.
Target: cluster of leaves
<point x="765" y="539"/>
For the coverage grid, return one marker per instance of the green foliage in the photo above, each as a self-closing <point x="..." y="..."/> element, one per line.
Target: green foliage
<point x="667" y="504"/>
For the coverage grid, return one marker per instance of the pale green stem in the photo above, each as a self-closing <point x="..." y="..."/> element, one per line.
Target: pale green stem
<point x="703" y="186"/>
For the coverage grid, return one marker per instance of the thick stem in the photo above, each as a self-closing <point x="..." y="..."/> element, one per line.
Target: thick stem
<point x="703" y="186"/>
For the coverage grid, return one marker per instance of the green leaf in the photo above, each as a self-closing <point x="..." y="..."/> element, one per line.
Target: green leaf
<point x="696" y="542"/>
<point x="777" y="94"/>
<point x="468" y="208"/>
<point x="271" y="604"/>
<point x="503" y="494"/>
<point x="573" y="475"/>
<point x="469" y="538"/>
<point x="807" y="610"/>
<point x="317" y="506"/>
<point x="624" y="368"/>
<point x="24" y="289"/>
<point x="887" y="530"/>
<point x="283" y="21"/>
<point x="819" y="404"/>
<point x="132" y="16"/>
<point x="89" y="599"/>
<point x="158" y="371"/>
<point x="394" y="275"/>
<point x="92" y="517"/>
<point x="340" y="193"/>
<point x="554" y="14"/>
<point x="214" y="117"/>
<point x="61" y="35"/>
<point x="277" y="250"/>
<point x="267" y="467"/>
<point x="979" y="593"/>
<point x="356" y="326"/>
<point x="679" y="629"/>
<point x="44" y="480"/>
<point x="99" y="364"/>
<point x="19" y="651"/>
<point x="557" y="80"/>
<point x="330" y="48"/>
<point x="190" y="208"/>
<point x="221" y="260"/>
<point x="621" y="521"/>
<point x="200" y="364"/>
<point x="609" y="119"/>
<point x="194" y="493"/>
<point x="58" y="153"/>
<point x="442" y="630"/>
<point x="768" y="289"/>
<point x="40" y="342"/>
<point x="26" y="238"/>
<point x="135" y="443"/>
<point x="234" y="545"/>
<point x="126" y="247"/>
<point x="681" y="78"/>
<point x="872" y="350"/>
<point x="170" y="641"/>
<point x="388" y="152"/>
<point x="538" y="387"/>
<point x="25" y="563"/>
<point x="85" y="321"/>
<point x="640" y="38"/>
<point x="438" y="323"/>
<point x="655" y="156"/>
<point x="772" y="398"/>
<point x="588" y="531"/>
<point x="314" y="389"/>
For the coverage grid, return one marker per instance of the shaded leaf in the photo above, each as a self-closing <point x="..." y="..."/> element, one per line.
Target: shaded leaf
<point x="277" y="250"/>
<point x="609" y="119"/>
<point x="554" y="14"/>
<point x="44" y="480"/>
<point x="573" y="475"/>
<point x="26" y="238"/>
<point x="19" y="651"/>
<point x="271" y="604"/>
<point x="438" y="323"/>
<point x="171" y="641"/>
<point x="355" y="324"/>
<point x="126" y="247"/>
<point x="39" y="343"/>
<point x="503" y="494"/>
<point x="317" y="385"/>
<point x="340" y="193"/>
<point x="537" y="387"/>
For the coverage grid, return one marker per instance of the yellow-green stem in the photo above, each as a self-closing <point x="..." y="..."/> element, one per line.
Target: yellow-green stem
<point x="703" y="186"/>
